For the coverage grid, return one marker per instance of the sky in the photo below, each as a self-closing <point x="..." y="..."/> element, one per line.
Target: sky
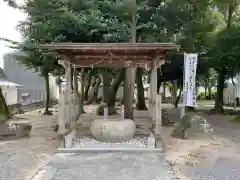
<point x="9" y="19"/>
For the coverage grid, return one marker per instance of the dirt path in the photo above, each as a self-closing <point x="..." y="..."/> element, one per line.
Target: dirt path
<point x="216" y="157"/>
<point x="20" y="159"/>
<point x="213" y="158"/>
<point x="106" y="166"/>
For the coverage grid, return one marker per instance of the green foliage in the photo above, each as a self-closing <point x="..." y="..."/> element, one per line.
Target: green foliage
<point x="91" y="21"/>
<point x="201" y="95"/>
<point x="226" y="52"/>
<point x="198" y="26"/>
<point x="236" y="119"/>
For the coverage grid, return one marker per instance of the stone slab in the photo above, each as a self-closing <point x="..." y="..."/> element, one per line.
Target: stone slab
<point x="14" y="130"/>
<point x="108" y="166"/>
<point x="107" y="150"/>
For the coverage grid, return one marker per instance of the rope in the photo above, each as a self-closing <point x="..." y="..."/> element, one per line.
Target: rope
<point x="103" y="58"/>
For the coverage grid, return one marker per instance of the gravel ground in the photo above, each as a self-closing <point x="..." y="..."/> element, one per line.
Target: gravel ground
<point x="89" y="142"/>
<point x="216" y="158"/>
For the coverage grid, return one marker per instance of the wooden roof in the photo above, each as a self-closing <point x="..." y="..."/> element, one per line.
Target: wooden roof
<point x="113" y="55"/>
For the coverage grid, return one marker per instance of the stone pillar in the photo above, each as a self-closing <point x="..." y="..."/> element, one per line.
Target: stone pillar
<point x="76" y="92"/>
<point x="153" y="90"/>
<point x="182" y="111"/>
<point x="153" y="93"/>
<point x="73" y="109"/>
<point x="158" y="115"/>
<point x="62" y="106"/>
<point x="129" y="88"/>
<point x="66" y="109"/>
<point x="122" y="112"/>
<point x="68" y="95"/>
<point x="61" y="115"/>
<point x="105" y="113"/>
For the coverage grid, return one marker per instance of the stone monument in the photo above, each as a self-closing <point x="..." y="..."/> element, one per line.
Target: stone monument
<point x="166" y="121"/>
<point x="192" y="125"/>
<point x="14" y="130"/>
<point x="113" y="130"/>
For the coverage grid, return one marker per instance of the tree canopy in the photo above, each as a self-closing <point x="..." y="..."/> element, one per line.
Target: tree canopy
<point x="209" y="27"/>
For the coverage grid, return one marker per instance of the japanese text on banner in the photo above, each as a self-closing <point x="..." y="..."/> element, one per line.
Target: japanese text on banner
<point x="190" y="68"/>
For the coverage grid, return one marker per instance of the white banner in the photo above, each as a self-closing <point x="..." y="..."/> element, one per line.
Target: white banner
<point x="190" y="69"/>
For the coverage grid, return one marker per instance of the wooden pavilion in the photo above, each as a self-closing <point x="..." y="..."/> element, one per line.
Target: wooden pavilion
<point x="107" y="55"/>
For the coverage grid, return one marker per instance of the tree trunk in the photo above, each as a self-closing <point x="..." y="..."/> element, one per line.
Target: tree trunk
<point x="122" y="100"/>
<point x="221" y="74"/>
<point x="94" y="92"/>
<point x="76" y="91"/>
<point x="164" y="90"/>
<point x="72" y="78"/>
<point x="179" y="96"/>
<point x="46" y="77"/>
<point x="205" y="90"/>
<point x="87" y="87"/>
<point x="174" y="91"/>
<point x="81" y="103"/>
<point x="115" y="86"/>
<point x="91" y="90"/>
<point x="210" y="92"/>
<point x="140" y="91"/>
<point x="159" y="81"/>
<point x="106" y="79"/>
<point x="220" y="87"/>
<point x="75" y="83"/>
<point x="3" y="105"/>
<point x="59" y="83"/>
<point x="112" y="95"/>
<point x="129" y="85"/>
<point x="130" y="73"/>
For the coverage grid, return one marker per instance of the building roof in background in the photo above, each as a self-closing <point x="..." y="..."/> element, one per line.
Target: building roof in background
<point x="4" y="80"/>
<point x="2" y="75"/>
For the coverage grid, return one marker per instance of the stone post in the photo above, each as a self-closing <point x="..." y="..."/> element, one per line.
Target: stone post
<point x="153" y="93"/>
<point x="106" y="113"/>
<point x="182" y="112"/>
<point x="122" y="113"/>
<point x="158" y="115"/>
<point x="61" y="106"/>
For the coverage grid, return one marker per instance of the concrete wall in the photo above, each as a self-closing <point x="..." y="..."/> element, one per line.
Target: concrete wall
<point x="19" y="73"/>
<point x="10" y="94"/>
